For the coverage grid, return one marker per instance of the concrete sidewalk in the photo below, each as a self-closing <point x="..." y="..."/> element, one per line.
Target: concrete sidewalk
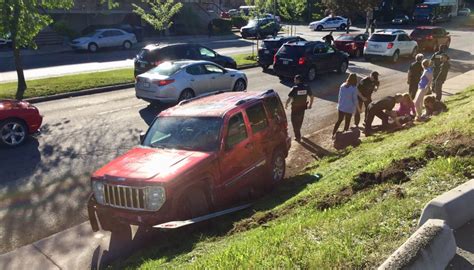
<point x="79" y="247"/>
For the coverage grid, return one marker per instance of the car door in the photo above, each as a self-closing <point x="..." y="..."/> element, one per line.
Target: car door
<point x="199" y="79"/>
<point x="440" y="35"/>
<point x="321" y="58"/>
<point x="219" y="79"/>
<point x="102" y="39"/>
<point x="404" y="44"/>
<point x="360" y="41"/>
<point x="237" y="158"/>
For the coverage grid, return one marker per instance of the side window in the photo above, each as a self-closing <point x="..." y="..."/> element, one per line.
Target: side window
<point x="106" y="34"/>
<point x="213" y="69"/>
<point x="116" y="33"/>
<point x="206" y="52"/>
<point x="320" y="48"/>
<point x="257" y="118"/>
<point x="195" y="70"/>
<point x="237" y="132"/>
<point x="274" y="108"/>
<point x="403" y="37"/>
<point x="330" y="49"/>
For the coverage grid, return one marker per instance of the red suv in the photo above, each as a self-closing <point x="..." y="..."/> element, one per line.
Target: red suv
<point x="430" y="37"/>
<point x="203" y="155"/>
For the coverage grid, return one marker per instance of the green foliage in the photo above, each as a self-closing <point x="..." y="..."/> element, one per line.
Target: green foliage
<point x="161" y="15"/>
<point x="351" y="7"/>
<point x="187" y="22"/>
<point x="238" y="21"/>
<point x="63" y="29"/>
<point x="222" y="25"/>
<point x="292" y="10"/>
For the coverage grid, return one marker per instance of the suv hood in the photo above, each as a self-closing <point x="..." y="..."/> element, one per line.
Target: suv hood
<point x="142" y="163"/>
<point x="11" y="104"/>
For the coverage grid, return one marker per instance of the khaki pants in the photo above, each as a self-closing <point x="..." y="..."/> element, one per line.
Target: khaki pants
<point x="420" y="96"/>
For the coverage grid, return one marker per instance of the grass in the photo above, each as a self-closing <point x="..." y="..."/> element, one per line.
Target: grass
<point x="287" y="229"/>
<point x="71" y="83"/>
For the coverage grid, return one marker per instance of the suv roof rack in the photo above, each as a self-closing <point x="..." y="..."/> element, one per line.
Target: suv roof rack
<point x="245" y="100"/>
<point x="186" y="101"/>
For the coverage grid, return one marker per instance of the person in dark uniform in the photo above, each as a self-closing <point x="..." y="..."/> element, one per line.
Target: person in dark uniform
<point x="210" y="28"/>
<point x="373" y="25"/>
<point x="442" y="75"/>
<point x="298" y="97"/>
<point x="366" y="87"/>
<point x="414" y="75"/>
<point x="383" y="109"/>
<point x="436" y="62"/>
<point x="348" y="25"/>
<point x="329" y="39"/>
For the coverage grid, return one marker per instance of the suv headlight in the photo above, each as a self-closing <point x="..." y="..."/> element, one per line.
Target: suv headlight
<point x="98" y="189"/>
<point x="155" y="198"/>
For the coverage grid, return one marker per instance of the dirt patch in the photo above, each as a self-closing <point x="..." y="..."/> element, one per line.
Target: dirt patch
<point x="333" y="200"/>
<point x="256" y="220"/>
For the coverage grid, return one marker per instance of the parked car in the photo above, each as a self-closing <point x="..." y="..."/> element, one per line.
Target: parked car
<point x="5" y="41"/>
<point x="401" y="19"/>
<point x="260" y="28"/>
<point x="175" y="81"/>
<point x="430" y="37"/>
<point x="353" y="44"/>
<point x="464" y="12"/>
<point x="135" y="29"/>
<point x="272" y="17"/>
<point x="308" y="58"/>
<point x="103" y="38"/>
<point x="330" y="22"/>
<point x="390" y="43"/>
<point x="269" y="48"/>
<point x="203" y="155"/>
<point x="154" y="54"/>
<point x="233" y="12"/>
<point x="18" y="119"/>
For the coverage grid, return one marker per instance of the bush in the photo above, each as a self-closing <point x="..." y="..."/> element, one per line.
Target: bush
<point x="222" y="25"/>
<point x="62" y="28"/>
<point x="239" y="21"/>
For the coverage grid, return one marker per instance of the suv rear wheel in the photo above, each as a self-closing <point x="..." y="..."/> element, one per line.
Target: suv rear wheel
<point x="319" y="28"/>
<point x="311" y="75"/>
<point x="127" y="45"/>
<point x="186" y="94"/>
<point x="12" y="132"/>
<point x="278" y="167"/>
<point x="342" y="26"/>
<point x="395" y="56"/>
<point x="342" y="68"/>
<point x="414" y="52"/>
<point x="239" y="85"/>
<point x="92" y="47"/>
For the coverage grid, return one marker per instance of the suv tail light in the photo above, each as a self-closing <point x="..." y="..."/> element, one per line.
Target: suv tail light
<point x="390" y="45"/>
<point x="366" y="44"/>
<point x="163" y="82"/>
<point x="274" y="59"/>
<point x="301" y="61"/>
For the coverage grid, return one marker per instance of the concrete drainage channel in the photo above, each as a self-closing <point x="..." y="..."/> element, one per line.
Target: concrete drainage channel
<point x="433" y="245"/>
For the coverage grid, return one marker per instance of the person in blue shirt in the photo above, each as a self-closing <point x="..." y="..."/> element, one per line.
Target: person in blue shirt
<point x="347" y="103"/>
<point x="423" y="87"/>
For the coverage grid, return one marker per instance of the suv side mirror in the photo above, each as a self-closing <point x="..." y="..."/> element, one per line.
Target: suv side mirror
<point x="142" y="136"/>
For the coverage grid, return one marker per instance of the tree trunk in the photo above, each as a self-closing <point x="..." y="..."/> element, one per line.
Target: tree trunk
<point x="20" y="91"/>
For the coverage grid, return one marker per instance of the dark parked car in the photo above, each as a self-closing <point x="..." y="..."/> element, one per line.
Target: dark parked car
<point x="260" y="28"/>
<point x="401" y="19"/>
<point x="152" y="55"/>
<point x="353" y="44"/>
<point x="309" y="58"/>
<point x="430" y="37"/>
<point x="269" y="48"/>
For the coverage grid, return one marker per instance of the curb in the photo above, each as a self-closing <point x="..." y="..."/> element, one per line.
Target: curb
<point x="102" y="89"/>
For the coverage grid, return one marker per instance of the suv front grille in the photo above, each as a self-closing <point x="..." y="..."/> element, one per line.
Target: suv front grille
<point x="125" y="197"/>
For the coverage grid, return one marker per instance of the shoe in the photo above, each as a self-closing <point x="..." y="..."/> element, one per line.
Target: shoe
<point x="298" y="139"/>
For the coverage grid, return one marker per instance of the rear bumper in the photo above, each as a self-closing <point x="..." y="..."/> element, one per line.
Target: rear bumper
<point x="156" y="95"/>
<point x="289" y="71"/>
<point x="379" y="56"/>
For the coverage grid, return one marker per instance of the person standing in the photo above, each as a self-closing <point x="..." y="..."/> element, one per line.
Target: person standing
<point x="348" y="25"/>
<point x="442" y="75"/>
<point x="298" y="97"/>
<point x="383" y="109"/>
<point x="373" y="25"/>
<point x="423" y="87"/>
<point x="347" y="103"/>
<point x="329" y="39"/>
<point x="366" y="87"/>
<point x="436" y="62"/>
<point x="414" y="75"/>
<point x="210" y="28"/>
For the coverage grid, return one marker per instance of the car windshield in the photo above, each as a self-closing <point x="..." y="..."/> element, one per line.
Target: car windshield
<point x="187" y="133"/>
<point x="167" y="68"/>
<point x="382" y="38"/>
<point x="345" y="38"/>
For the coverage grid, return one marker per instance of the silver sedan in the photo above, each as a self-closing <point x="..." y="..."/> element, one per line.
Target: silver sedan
<point x="102" y="38"/>
<point x="171" y="82"/>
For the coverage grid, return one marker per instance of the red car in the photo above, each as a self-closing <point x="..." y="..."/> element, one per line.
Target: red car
<point x="353" y="44"/>
<point x="203" y="155"/>
<point x="430" y="37"/>
<point x="17" y="120"/>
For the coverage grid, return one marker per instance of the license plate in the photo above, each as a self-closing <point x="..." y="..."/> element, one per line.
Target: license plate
<point x="146" y="85"/>
<point x="376" y="46"/>
<point x="266" y="51"/>
<point x="142" y="65"/>
<point x="285" y="62"/>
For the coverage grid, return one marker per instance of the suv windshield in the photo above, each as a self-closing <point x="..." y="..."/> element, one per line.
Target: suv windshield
<point x="188" y="133"/>
<point x="382" y="38"/>
<point x="167" y="68"/>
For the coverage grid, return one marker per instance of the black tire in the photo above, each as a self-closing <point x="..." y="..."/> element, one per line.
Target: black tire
<point x="239" y="85"/>
<point x="13" y="132"/>
<point x="277" y="167"/>
<point x="127" y="45"/>
<point x="311" y="74"/>
<point x="186" y="94"/>
<point x="395" y="57"/>
<point x="265" y="67"/>
<point x="343" y="67"/>
<point x="92" y="47"/>
<point x="319" y="28"/>
<point x="342" y="26"/>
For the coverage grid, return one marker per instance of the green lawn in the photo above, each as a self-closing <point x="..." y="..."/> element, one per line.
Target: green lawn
<point x="340" y="221"/>
<point x="71" y="83"/>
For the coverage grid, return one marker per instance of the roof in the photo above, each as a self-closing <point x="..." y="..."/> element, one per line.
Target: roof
<point x="159" y="46"/>
<point x="391" y="31"/>
<point x="277" y="38"/>
<point x="303" y="43"/>
<point x="214" y="104"/>
<point x="428" y="27"/>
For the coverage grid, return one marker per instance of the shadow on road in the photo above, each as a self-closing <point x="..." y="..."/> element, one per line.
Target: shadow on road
<point x="149" y="113"/>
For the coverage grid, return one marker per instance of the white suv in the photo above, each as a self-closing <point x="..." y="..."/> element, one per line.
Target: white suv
<point x="390" y="43"/>
<point x="329" y="22"/>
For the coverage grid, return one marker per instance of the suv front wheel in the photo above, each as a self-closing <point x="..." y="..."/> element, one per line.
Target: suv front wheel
<point x="311" y="75"/>
<point x="342" y="68"/>
<point x="395" y="56"/>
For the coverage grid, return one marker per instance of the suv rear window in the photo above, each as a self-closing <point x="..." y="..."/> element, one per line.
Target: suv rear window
<point x="273" y="44"/>
<point x="273" y="106"/>
<point x="292" y="51"/>
<point x="422" y="32"/>
<point x="257" y="118"/>
<point x="382" y="38"/>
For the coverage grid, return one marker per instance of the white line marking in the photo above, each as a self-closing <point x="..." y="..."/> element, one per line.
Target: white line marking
<point x="121" y="109"/>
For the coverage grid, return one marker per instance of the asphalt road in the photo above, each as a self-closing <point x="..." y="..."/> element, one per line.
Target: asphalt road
<point x="44" y="184"/>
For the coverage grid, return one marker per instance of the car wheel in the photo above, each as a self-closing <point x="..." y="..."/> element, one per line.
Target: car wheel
<point x="186" y="94"/>
<point x="265" y="67"/>
<point x="395" y="56"/>
<point x="342" y="26"/>
<point x="93" y="47"/>
<point x="311" y="75"/>
<point x="414" y="52"/>
<point x="127" y="45"/>
<point x="277" y="167"/>
<point x="13" y="132"/>
<point x="319" y="28"/>
<point x="239" y="85"/>
<point x="342" y="68"/>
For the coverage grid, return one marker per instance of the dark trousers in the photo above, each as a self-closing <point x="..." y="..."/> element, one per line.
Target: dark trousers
<point x="370" y="114"/>
<point x="412" y="88"/>
<point x="357" y="113"/>
<point x="438" y="89"/>
<point x="342" y="116"/>
<point x="297" y="117"/>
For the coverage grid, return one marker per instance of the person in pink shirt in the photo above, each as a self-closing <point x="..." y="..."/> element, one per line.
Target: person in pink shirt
<point x="407" y="107"/>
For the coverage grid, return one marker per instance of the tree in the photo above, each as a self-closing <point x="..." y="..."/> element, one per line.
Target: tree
<point x="292" y="10"/>
<point x="351" y="8"/>
<point x="162" y="12"/>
